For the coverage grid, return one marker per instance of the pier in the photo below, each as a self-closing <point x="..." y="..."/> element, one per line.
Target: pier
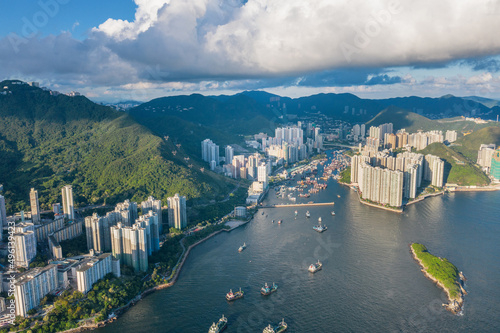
<point x="300" y="205"/>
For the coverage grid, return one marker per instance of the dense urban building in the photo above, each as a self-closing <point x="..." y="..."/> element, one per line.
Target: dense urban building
<point x="130" y="246"/>
<point x="386" y="179"/>
<point x="177" y="215"/>
<point x="42" y="231"/>
<point x="32" y="286"/>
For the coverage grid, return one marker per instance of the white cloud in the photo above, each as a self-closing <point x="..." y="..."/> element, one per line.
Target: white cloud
<point x="223" y="40"/>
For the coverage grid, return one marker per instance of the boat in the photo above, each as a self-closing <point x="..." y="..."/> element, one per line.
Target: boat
<point x="338" y="195"/>
<point x="313" y="268"/>
<point x="296" y="213"/>
<point x="230" y="296"/>
<point x="220" y="326"/>
<point x="272" y="221"/>
<point x="262" y="213"/>
<point x="333" y="213"/>
<point x="266" y="290"/>
<point x="244" y="246"/>
<point x="308" y="214"/>
<point x="320" y="228"/>
<point x="279" y="221"/>
<point x="282" y="326"/>
<point x="319" y="219"/>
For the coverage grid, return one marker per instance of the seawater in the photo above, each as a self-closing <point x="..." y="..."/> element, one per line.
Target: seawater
<point x="369" y="281"/>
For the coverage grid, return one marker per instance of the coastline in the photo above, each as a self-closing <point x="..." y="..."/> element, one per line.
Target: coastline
<point x="176" y="271"/>
<point x="455" y="304"/>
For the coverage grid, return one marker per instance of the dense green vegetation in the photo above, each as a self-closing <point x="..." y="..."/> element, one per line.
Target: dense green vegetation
<point x="345" y="175"/>
<point x="202" y="214"/>
<point x="469" y="145"/>
<point x="190" y="119"/>
<point x="49" y="141"/>
<point x="457" y="169"/>
<point x="74" y="247"/>
<point x="440" y="268"/>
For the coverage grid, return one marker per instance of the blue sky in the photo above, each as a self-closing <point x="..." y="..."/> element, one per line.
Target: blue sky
<point x="119" y="50"/>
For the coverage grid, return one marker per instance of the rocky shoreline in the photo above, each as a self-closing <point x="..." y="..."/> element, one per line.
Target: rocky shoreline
<point x="455" y="305"/>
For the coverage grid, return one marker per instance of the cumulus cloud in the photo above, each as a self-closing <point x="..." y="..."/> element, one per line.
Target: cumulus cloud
<point x="320" y="42"/>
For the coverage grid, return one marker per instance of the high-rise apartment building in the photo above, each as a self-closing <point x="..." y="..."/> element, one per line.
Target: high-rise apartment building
<point x="35" y="206"/>
<point x="130" y="246"/>
<point x="484" y="156"/>
<point x="25" y="244"/>
<point x="209" y="151"/>
<point x="149" y="222"/>
<point x="451" y="136"/>
<point x="67" y="201"/>
<point x="91" y="270"/>
<point x="32" y="286"/>
<point x="153" y="205"/>
<point x="229" y="154"/>
<point x="177" y="216"/>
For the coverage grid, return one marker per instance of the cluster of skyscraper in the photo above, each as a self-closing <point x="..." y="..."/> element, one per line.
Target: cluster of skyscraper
<point x="132" y="238"/>
<point x="388" y="180"/>
<point x="383" y="136"/>
<point x="288" y="145"/>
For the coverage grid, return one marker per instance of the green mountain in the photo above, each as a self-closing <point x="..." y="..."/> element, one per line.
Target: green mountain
<point x="469" y="144"/>
<point x="457" y="169"/>
<point x="413" y="122"/>
<point x="189" y="120"/>
<point x="48" y="141"/>
<point x="401" y="118"/>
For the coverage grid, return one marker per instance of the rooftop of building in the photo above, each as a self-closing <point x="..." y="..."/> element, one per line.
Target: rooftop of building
<point x="32" y="273"/>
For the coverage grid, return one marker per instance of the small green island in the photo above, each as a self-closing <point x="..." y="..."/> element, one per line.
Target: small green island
<point x="444" y="273"/>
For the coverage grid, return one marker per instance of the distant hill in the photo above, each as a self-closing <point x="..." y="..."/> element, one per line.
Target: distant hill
<point x="401" y="118"/>
<point x="413" y="122"/>
<point x="457" y="169"/>
<point x="469" y="144"/>
<point x="488" y="102"/>
<point x="48" y="141"/>
<point x="191" y="119"/>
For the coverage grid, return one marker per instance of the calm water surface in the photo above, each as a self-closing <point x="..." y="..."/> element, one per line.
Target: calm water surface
<point x="369" y="281"/>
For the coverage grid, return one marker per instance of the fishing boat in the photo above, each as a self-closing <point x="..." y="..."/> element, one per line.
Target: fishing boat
<point x="219" y="327"/>
<point x="281" y="327"/>
<point x="279" y="221"/>
<point x="320" y="228"/>
<point x="266" y="290"/>
<point x="230" y="296"/>
<point x="296" y="213"/>
<point x="308" y="214"/>
<point x="244" y="246"/>
<point x="313" y="268"/>
<point x="333" y="213"/>
<point x="319" y="219"/>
